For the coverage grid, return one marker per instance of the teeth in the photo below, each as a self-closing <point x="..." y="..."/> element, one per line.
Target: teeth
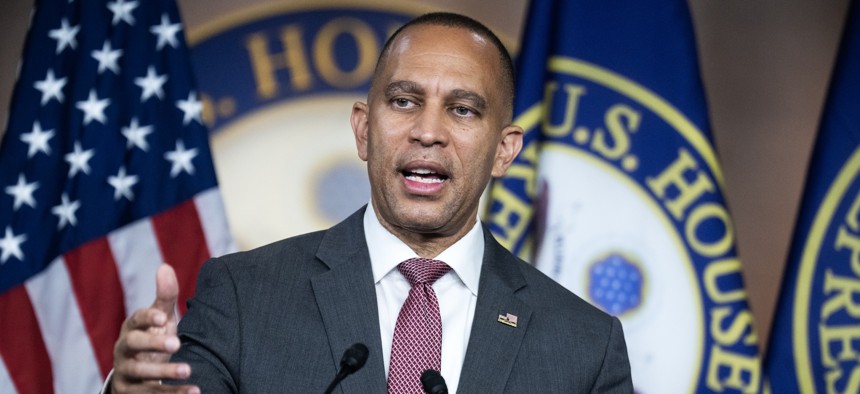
<point x="424" y="180"/>
<point x="423" y="171"/>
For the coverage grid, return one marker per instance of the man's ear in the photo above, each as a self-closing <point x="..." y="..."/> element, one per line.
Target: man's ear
<point x="358" y="120"/>
<point x="509" y="147"/>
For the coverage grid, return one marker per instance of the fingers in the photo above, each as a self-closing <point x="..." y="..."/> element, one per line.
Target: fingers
<point x="175" y="389"/>
<point x="135" y="371"/>
<point x="155" y="389"/>
<point x="141" y="341"/>
<point x="121" y="384"/>
<point x="145" y="335"/>
<point x="144" y="319"/>
<point x="164" y="388"/>
<point x="147" y="340"/>
<point x="137" y="376"/>
<point x="178" y="389"/>
<point x="134" y="376"/>
<point x="166" y="290"/>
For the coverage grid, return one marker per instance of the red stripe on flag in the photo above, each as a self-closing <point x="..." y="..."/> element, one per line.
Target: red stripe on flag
<point x="21" y="344"/>
<point x="183" y="245"/>
<point x="98" y="290"/>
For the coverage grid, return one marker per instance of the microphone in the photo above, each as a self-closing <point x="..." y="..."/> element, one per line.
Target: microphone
<point x="353" y="359"/>
<point x="433" y="382"/>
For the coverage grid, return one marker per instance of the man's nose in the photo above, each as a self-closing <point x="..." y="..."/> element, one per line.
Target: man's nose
<point x="431" y="127"/>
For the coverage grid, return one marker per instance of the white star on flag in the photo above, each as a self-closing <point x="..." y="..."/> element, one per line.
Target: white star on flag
<point x="181" y="159"/>
<point x="122" y="11"/>
<point x="66" y="212"/>
<point x="191" y="108"/>
<point x="93" y="108"/>
<point x="51" y="87"/>
<point x="11" y="246"/>
<point x="122" y="184"/>
<point x="136" y="135"/>
<point x="166" y="32"/>
<point x="65" y="35"/>
<point x="37" y="139"/>
<point x="22" y="192"/>
<point x="151" y="84"/>
<point x="107" y="58"/>
<point x="79" y="160"/>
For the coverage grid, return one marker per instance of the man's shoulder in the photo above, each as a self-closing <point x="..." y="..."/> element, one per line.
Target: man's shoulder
<point x="303" y="246"/>
<point x="299" y="245"/>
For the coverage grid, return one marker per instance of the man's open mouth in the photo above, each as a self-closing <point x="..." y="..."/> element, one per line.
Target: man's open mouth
<point x="424" y="175"/>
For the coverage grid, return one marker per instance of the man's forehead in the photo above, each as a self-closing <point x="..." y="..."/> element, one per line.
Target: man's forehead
<point x="430" y="34"/>
<point x="465" y="61"/>
<point x="436" y="46"/>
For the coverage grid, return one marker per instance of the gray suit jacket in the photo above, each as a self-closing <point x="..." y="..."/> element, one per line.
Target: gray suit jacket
<point x="278" y="318"/>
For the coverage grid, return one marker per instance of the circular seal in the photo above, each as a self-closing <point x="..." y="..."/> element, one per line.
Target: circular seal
<point x="630" y="216"/>
<point x="826" y="316"/>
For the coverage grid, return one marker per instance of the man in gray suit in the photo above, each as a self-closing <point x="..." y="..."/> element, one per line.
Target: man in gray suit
<point x="435" y="128"/>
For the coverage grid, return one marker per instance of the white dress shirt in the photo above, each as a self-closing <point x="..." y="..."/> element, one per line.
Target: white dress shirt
<point x="457" y="290"/>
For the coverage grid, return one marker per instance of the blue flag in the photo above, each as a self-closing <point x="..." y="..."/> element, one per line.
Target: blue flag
<point x="816" y="334"/>
<point x="106" y="173"/>
<point x="617" y="193"/>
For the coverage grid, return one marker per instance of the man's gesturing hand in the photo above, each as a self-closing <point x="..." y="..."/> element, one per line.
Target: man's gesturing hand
<point x="146" y="341"/>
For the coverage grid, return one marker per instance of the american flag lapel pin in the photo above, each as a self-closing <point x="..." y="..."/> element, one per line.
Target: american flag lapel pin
<point x="508" y="319"/>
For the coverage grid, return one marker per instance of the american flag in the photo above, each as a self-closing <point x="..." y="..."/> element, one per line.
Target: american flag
<point x="105" y="173"/>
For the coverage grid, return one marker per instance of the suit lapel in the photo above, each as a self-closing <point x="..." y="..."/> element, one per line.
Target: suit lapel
<point x="493" y="346"/>
<point x="347" y="302"/>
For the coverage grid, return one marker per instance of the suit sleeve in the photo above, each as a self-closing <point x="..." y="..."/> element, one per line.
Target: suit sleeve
<point x="615" y="372"/>
<point x="209" y="332"/>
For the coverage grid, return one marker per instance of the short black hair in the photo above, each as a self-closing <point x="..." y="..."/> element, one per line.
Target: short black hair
<point x="449" y="19"/>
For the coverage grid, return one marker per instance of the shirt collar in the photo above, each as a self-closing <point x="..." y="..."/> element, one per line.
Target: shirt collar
<point x="387" y="251"/>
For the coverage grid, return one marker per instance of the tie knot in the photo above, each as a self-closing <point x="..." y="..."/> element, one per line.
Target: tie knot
<point x="423" y="271"/>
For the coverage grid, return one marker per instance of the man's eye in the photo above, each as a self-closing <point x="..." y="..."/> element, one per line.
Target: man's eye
<point x="463" y="111"/>
<point x="401" y="102"/>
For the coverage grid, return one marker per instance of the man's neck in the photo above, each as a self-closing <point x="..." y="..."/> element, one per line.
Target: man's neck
<point x="427" y="246"/>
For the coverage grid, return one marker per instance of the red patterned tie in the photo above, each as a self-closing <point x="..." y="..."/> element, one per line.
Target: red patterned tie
<point x="417" y="344"/>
